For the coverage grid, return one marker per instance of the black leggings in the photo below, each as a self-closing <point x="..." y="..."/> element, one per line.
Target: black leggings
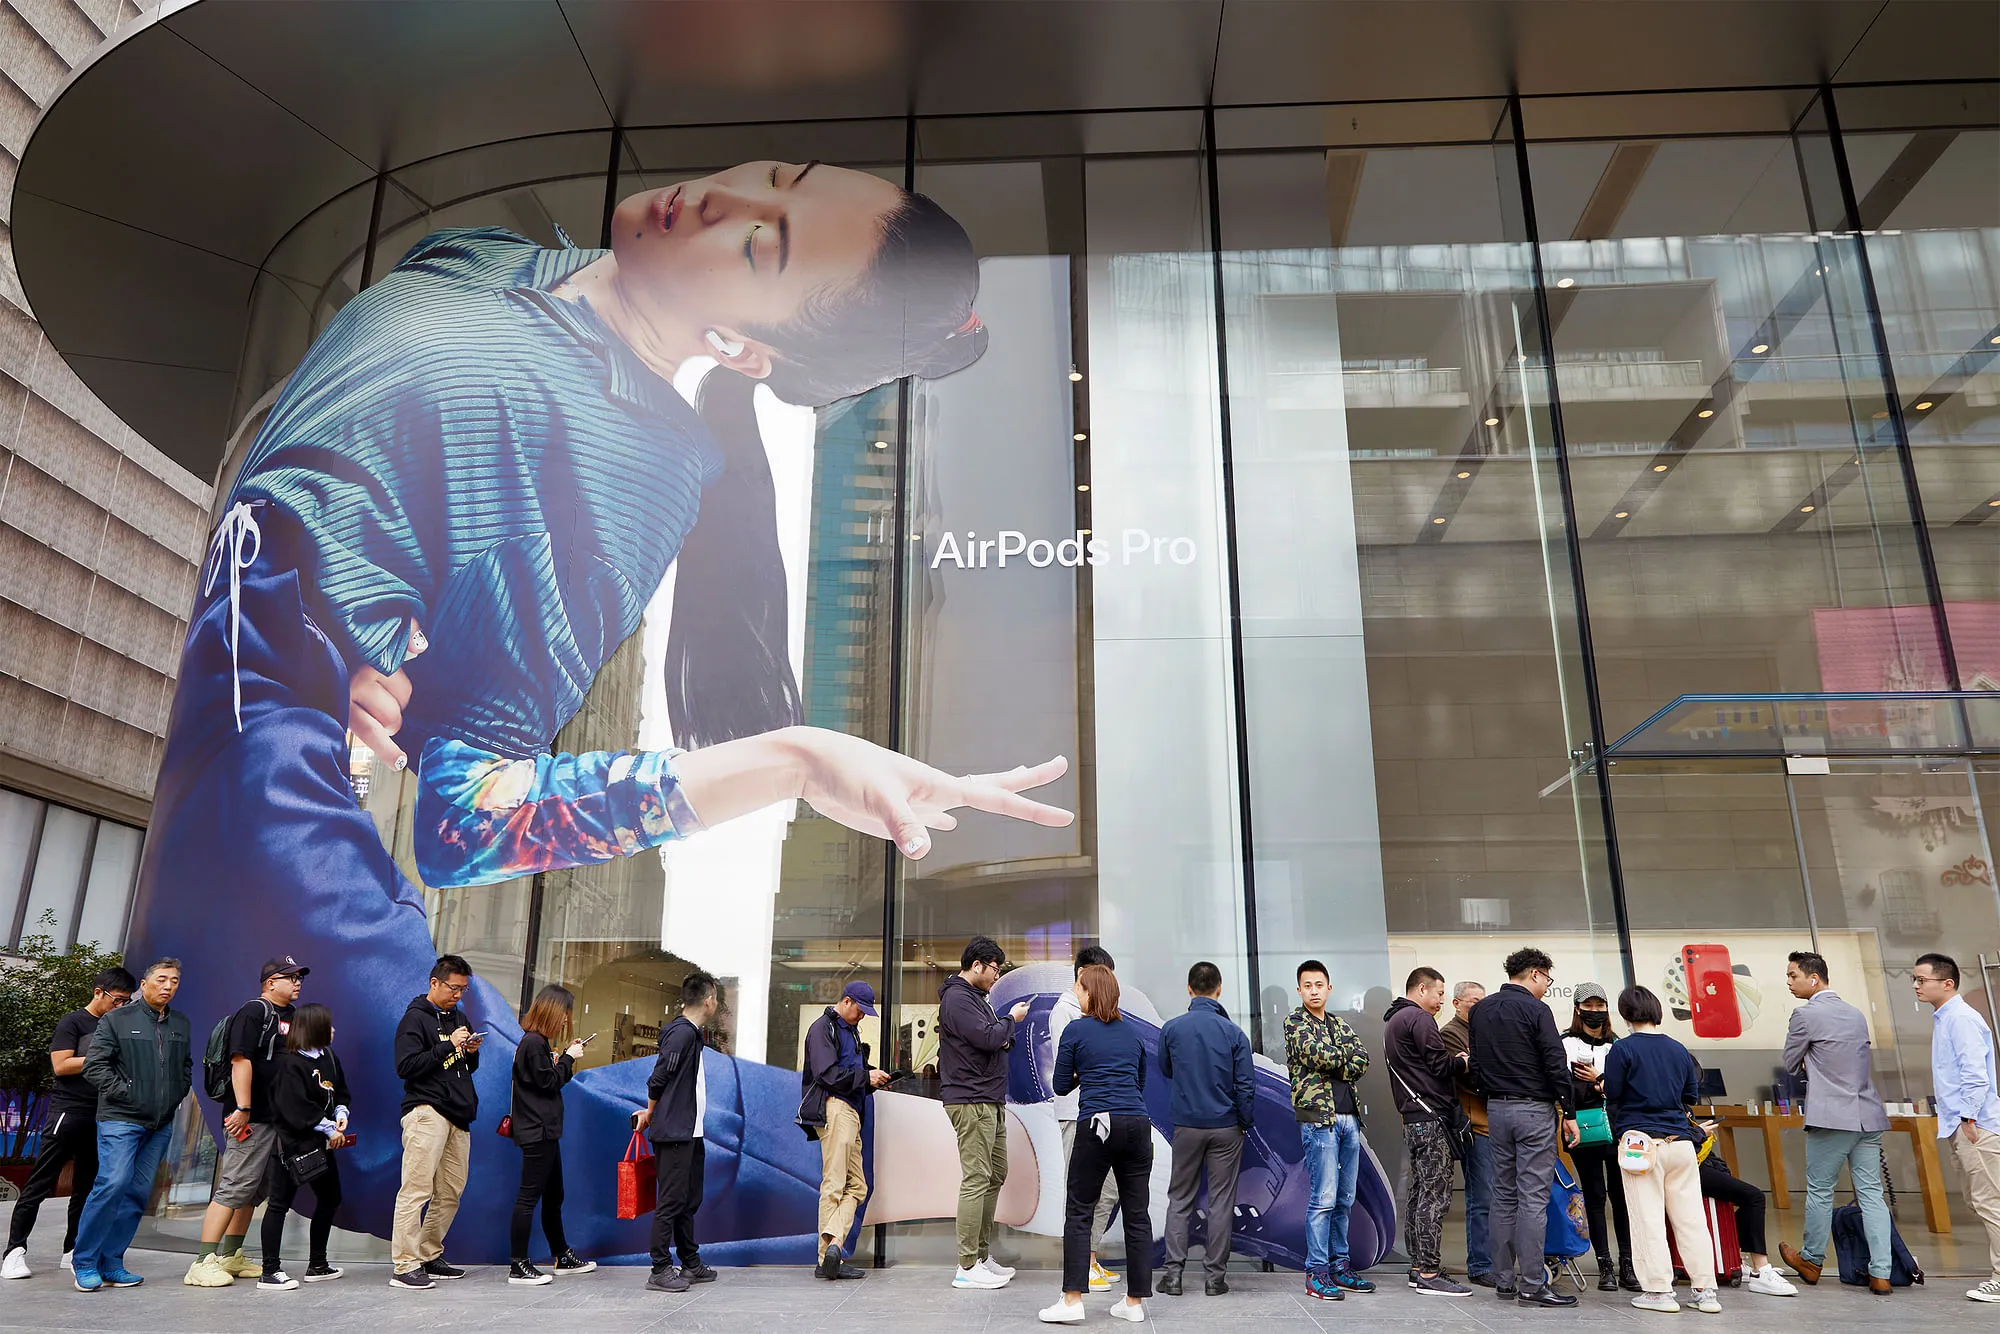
<point x="280" y="1190"/>
<point x="1718" y="1184"/>
<point x="541" y="1181"/>
<point x="1597" y="1175"/>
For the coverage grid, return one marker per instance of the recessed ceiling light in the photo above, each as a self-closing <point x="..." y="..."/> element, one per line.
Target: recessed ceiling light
<point x="1083" y="486"/>
<point x="1881" y="416"/>
<point x="1761" y="348"/>
<point x="881" y="444"/>
<point x="1924" y="406"/>
<point x="1437" y="520"/>
<point x="1464" y="475"/>
<point x="1622" y="514"/>
<point x="1492" y="421"/>
<point x="1074" y="375"/>
<point x="1659" y="467"/>
<point x="1805" y="509"/>
<point x="1993" y="504"/>
<point x="1567" y="282"/>
<point x="1079" y="437"/>
<point x="1994" y="339"/>
<point x="1705" y="413"/>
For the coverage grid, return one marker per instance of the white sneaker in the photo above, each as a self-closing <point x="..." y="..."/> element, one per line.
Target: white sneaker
<point x="995" y="1268"/>
<point x="1657" y="1301"/>
<point x="207" y="1272"/>
<point x="1989" y="1291"/>
<point x="976" y="1277"/>
<point x="69" y="1261"/>
<point x="1769" y="1282"/>
<point x="1132" y="1311"/>
<point x="1707" y="1302"/>
<point x="1064" y="1312"/>
<point x="16" y="1264"/>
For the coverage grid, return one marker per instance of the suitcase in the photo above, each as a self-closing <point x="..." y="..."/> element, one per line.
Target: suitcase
<point x="1725" y="1251"/>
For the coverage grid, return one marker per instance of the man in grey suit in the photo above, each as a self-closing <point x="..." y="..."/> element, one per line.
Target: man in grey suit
<point x="1828" y="1041"/>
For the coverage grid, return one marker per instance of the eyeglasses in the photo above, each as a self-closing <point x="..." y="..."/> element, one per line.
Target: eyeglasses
<point x="1545" y="976"/>
<point x="455" y="988"/>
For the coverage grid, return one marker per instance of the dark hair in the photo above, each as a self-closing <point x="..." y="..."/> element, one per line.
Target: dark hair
<point x="312" y="1028"/>
<point x="164" y="961"/>
<point x="981" y="949"/>
<point x="1637" y="1005"/>
<point x="1528" y="960"/>
<point x="1091" y="954"/>
<point x="1943" y="967"/>
<point x="1420" y="975"/>
<point x="1204" y="979"/>
<point x="1811" y="964"/>
<point x="550" y="1013"/>
<point x="729" y="671"/>
<point x="1577" y="1028"/>
<point x="448" y="966"/>
<point x="1313" y="966"/>
<point x="1100" y="992"/>
<point x="115" y="978"/>
<point x="697" y="987"/>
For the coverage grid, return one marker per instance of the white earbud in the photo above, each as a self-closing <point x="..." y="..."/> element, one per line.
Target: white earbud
<point x="723" y="347"/>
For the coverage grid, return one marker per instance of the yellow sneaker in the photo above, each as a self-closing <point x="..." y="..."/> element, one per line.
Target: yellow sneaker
<point x="207" y="1272"/>
<point x="240" y="1265"/>
<point x="1101" y="1279"/>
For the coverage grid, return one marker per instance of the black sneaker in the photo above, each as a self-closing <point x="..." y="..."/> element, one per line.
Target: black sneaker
<point x="1216" y="1286"/>
<point x="828" y="1267"/>
<point x="524" y="1275"/>
<point x="1546" y="1295"/>
<point x="412" y="1280"/>
<point x="1607" y="1275"/>
<point x="1437" y="1285"/>
<point x="442" y="1268"/>
<point x="850" y="1272"/>
<point x="1485" y="1280"/>
<point x="276" y="1280"/>
<point x="667" y="1280"/>
<point x="1504" y="1291"/>
<point x="698" y="1273"/>
<point x="1170" y="1282"/>
<point x="319" y="1271"/>
<point x="1628" y="1278"/>
<point x="569" y="1262"/>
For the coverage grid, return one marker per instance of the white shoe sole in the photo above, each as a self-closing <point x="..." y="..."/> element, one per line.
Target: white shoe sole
<point x="531" y="1282"/>
<point x="983" y="1283"/>
<point x="1979" y="1296"/>
<point x="289" y="1285"/>
<point x="1069" y="1315"/>
<point x="587" y="1267"/>
<point x="1119" y="1309"/>
<point x="321" y="1278"/>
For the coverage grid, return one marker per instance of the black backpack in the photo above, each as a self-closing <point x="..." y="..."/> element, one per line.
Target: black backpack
<point x="215" y="1061"/>
<point x="1850" y="1248"/>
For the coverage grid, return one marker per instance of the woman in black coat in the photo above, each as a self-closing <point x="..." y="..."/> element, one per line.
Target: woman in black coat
<point x="539" y="1076"/>
<point x="309" y="1107"/>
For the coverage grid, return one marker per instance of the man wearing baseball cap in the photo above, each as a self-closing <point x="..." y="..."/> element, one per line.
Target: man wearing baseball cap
<point x="835" y="1083"/>
<point x="255" y="1036"/>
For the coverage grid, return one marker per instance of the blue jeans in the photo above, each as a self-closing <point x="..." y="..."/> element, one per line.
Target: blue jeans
<point x="1826" y="1150"/>
<point x="1333" y="1166"/>
<point x="128" y="1157"/>
<point x="1478" y="1200"/>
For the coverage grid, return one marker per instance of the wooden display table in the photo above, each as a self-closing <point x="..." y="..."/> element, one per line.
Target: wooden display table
<point x="1922" y="1131"/>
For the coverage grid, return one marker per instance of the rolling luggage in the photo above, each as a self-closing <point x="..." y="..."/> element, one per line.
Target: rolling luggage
<point x="1723" y="1247"/>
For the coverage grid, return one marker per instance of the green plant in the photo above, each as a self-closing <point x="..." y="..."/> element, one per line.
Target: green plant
<point x="38" y="987"/>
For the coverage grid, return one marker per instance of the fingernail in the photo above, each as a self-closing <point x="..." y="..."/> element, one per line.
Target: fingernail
<point x="915" y="847"/>
<point x="402" y="763"/>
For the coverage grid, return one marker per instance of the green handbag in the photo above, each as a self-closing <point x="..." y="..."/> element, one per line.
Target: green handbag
<point x="1592" y="1127"/>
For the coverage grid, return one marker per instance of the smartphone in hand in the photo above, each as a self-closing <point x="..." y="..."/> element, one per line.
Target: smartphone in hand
<point x="587" y="1041"/>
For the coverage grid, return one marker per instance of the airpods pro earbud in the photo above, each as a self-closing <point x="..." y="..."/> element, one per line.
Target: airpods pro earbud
<point x="723" y="347"/>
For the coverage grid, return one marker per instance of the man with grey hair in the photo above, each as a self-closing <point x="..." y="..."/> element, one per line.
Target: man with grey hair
<point x="1478" y="1164"/>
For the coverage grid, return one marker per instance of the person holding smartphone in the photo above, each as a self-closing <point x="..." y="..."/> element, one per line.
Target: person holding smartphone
<point x="308" y="1112"/>
<point x="537" y="1121"/>
<point x="436" y="1055"/>
<point x="1587" y="1043"/>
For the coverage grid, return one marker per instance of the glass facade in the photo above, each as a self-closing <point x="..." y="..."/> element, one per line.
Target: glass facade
<point x="64" y="874"/>
<point x="1340" y="485"/>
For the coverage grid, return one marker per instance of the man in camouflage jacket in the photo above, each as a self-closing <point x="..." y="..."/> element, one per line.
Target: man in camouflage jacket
<point x="1325" y="1057"/>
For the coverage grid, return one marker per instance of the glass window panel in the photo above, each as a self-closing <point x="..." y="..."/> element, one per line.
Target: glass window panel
<point x="107" y="896"/>
<point x="58" y="874"/>
<point x="20" y="818"/>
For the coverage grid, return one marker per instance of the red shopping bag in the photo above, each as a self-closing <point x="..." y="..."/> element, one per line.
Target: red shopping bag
<point x="638" y="1177"/>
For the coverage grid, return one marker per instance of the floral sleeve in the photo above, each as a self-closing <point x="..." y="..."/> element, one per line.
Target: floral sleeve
<point x="484" y="818"/>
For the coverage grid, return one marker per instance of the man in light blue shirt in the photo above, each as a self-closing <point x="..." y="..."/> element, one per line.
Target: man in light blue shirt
<point x="1968" y="1098"/>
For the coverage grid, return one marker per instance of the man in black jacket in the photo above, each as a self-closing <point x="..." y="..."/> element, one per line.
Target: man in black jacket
<point x="835" y="1084"/>
<point x="436" y="1054"/>
<point x="677" y="1093"/>
<point x="1518" y="1063"/>
<point x="972" y="1058"/>
<point x="1420" y="1077"/>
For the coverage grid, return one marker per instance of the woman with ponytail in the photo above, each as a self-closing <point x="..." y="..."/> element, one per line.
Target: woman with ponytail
<point x="459" y="507"/>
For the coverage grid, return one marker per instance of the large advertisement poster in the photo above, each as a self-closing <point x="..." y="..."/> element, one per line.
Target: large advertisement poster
<point x="490" y="470"/>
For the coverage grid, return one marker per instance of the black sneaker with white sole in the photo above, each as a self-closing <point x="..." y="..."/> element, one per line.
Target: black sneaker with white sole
<point x="276" y="1280"/>
<point x="524" y="1275"/>
<point x="442" y="1268"/>
<point x="569" y="1262"/>
<point x="412" y="1280"/>
<point x="319" y="1271"/>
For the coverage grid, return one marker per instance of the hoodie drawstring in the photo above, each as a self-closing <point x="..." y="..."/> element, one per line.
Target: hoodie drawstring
<point x="237" y="531"/>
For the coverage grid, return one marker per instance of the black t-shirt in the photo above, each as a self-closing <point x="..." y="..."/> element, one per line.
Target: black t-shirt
<point x="74" y="1093"/>
<point x="258" y="1031"/>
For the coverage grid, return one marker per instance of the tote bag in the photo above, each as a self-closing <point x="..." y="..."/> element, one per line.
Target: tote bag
<point x="638" y="1178"/>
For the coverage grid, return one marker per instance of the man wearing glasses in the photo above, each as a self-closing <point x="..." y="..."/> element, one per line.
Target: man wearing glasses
<point x="436" y="1055"/>
<point x="1518" y="1062"/>
<point x="1968" y="1104"/>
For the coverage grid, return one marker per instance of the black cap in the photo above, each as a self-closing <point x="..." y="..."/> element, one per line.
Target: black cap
<point x="282" y="966"/>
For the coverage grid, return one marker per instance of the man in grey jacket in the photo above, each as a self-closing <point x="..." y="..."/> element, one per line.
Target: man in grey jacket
<point x="1828" y="1041"/>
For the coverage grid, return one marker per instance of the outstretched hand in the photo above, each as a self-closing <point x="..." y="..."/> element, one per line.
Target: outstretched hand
<point x="878" y="792"/>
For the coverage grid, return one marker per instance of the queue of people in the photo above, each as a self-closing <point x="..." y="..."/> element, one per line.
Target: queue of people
<point x="1496" y="1090"/>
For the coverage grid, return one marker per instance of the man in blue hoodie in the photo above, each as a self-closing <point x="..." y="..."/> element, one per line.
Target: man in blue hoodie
<point x="1207" y="1058"/>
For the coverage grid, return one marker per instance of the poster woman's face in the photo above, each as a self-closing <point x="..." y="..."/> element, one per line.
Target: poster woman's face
<point x="750" y="246"/>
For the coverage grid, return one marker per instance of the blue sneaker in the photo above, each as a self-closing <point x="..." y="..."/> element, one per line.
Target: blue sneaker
<point x="1322" y="1287"/>
<point x="121" y="1277"/>
<point x="88" y="1281"/>
<point x="1353" y="1282"/>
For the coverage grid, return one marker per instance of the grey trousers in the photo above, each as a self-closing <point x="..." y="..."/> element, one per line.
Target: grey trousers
<point x="1523" y="1139"/>
<point x="1221" y="1152"/>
